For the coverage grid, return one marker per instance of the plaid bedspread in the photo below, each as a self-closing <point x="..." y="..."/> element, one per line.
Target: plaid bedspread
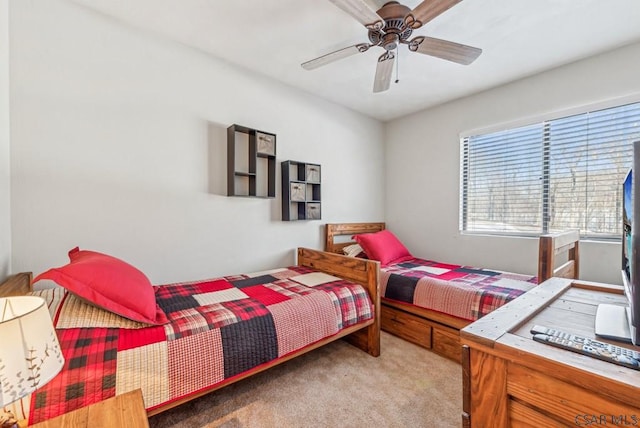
<point x="218" y="329"/>
<point x="460" y="291"/>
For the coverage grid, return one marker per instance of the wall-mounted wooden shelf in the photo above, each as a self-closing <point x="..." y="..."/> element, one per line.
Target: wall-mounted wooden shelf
<point x="301" y="199"/>
<point x="251" y="162"/>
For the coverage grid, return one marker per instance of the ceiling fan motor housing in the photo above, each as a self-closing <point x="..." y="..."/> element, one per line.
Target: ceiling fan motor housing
<point x="395" y="30"/>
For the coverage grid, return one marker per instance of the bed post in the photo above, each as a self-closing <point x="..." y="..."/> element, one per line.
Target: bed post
<point x="368" y="339"/>
<point x="552" y="245"/>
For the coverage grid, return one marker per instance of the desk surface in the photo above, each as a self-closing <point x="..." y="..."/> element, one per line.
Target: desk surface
<point x="504" y="358"/>
<point x="125" y="410"/>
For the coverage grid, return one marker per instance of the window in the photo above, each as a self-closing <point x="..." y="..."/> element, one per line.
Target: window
<point x="556" y="175"/>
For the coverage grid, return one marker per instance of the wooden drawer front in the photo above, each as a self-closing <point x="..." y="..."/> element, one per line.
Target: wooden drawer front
<point x="521" y="416"/>
<point x="568" y="403"/>
<point x="447" y="343"/>
<point x="406" y="326"/>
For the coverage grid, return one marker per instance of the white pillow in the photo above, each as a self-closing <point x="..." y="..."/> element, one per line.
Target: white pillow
<point x="352" y="250"/>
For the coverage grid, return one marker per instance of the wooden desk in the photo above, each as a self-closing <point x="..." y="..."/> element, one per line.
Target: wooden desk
<point x="125" y="410"/>
<point x="510" y="380"/>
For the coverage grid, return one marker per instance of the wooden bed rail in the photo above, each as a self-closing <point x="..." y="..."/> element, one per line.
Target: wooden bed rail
<point x="556" y="246"/>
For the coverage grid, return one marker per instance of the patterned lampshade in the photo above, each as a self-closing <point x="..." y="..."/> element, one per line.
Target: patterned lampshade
<point x="30" y="354"/>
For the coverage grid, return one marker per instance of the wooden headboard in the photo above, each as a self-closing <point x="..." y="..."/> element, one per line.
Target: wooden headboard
<point x="552" y="248"/>
<point x="346" y="229"/>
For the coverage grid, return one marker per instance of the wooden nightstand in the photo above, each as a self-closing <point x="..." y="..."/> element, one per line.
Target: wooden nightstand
<point x="125" y="410"/>
<point x="16" y="285"/>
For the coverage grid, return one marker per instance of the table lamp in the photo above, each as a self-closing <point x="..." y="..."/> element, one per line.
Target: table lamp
<point x="30" y="354"/>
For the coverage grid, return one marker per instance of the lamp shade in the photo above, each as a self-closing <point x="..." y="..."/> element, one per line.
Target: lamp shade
<point x="30" y="354"/>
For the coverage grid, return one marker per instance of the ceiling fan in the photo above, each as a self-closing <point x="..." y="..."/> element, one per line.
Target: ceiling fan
<point x="392" y="25"/>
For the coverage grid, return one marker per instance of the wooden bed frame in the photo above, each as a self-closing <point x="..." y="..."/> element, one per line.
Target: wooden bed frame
<point x="365" y="336"/>
<point x="436" y="330"/>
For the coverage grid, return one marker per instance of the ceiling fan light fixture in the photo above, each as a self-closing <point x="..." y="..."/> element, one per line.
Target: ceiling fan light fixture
<point x="390" y="41"/>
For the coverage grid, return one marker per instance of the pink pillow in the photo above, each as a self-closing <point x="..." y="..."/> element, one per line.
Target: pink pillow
<point x="110" y="284"/>
<point x="383" y="246"/>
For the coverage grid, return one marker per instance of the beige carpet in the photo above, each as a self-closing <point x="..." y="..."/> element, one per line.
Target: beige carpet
<point x="336" y="386"/>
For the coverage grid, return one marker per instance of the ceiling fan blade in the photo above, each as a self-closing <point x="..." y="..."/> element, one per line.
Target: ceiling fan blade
<point x="427" y="10"/>
<point x="334" y="56"/>
<point x="451" y="51"/>
<point x="384" y="71"/>
<point x="362" y="12"/>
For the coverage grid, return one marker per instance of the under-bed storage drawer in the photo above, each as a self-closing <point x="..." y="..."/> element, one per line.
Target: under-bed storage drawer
<point x="407" y="326"/>
<point x="446" y="341"/>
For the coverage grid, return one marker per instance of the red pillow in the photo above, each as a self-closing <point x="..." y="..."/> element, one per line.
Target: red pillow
<point x="110" y="284"/>
<point x="383" y="246"/>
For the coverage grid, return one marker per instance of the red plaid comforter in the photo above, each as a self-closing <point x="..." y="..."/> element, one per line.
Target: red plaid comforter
<point x="461" y="291"/>
<point x="218" y="329"/>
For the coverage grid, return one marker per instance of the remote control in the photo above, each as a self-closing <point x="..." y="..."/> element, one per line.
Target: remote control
<point x="593" y="348"/>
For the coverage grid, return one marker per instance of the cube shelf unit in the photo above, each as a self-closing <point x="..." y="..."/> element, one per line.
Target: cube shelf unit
<point x="301" y="191"/>
<point x="251" y="162"/>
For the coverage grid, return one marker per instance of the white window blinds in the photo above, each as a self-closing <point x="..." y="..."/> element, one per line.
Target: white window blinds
<point x="556" y="175"/>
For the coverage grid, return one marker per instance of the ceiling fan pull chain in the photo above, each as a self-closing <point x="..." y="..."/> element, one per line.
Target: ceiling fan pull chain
<point x="397" y="66"/>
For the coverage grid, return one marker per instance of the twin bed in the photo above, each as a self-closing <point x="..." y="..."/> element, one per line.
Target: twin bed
<point x="428" y="302"/>
<point x="223" y="330"/>
<point x="218" y="332"/>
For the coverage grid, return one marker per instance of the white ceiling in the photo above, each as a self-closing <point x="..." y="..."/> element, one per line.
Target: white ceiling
<point x="273" y="37"/>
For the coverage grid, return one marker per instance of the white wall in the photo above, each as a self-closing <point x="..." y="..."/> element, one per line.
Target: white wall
<point x="5" y="224"/>
<point x="422" y="163"/>
<point x="118" y="140"/>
